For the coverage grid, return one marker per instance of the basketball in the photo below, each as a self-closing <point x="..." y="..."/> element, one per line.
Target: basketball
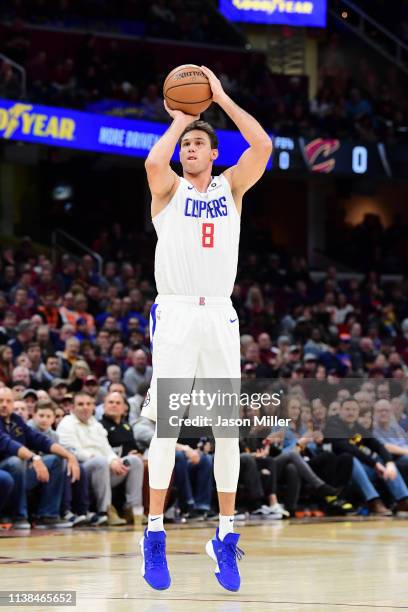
<point x="187" y="89"/>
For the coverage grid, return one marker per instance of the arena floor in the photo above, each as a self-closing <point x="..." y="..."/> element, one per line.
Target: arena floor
<point x="329" y="566"/>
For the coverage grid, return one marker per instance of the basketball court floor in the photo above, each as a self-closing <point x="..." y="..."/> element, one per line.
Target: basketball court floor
<point x="327" y="566"/>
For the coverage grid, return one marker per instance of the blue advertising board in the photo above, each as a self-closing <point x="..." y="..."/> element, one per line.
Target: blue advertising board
<point x="281" y="12"/>
<point x="63" y="127"/>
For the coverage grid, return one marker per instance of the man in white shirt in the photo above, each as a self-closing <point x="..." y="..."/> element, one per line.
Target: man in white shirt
<point x="88" y="440"/>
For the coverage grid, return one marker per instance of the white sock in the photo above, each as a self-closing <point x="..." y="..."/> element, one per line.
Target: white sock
<point x="226" y="526"/>
<point x="155" y="522"/>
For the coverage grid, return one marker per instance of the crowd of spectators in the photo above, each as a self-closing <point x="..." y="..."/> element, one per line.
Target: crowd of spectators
<point x="354" y="99"/>
<point x="173" y="19"/>
<point x="75" y="367"/>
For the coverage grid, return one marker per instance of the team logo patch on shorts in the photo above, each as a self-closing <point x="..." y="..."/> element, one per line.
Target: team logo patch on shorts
<point x="146" y="400"/>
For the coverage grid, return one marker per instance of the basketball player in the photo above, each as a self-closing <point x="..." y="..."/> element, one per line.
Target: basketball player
<point x="194" y="327"/>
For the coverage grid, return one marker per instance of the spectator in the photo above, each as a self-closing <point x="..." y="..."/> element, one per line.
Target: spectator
<point x="394" y="438"/>
<point x="6" y="364"/>
<point x="346" y="435"/>
<point x="35" y="358"/>
<point x="21" y="409"/>
<point x="50" y="369"/>
<point x="70" y="355"/>
<point x="121" y="439"/>
<point x="17" y="442"/>
<point x="81" y="432"/>
<point x="30" y="397"/>
<point x="24" y="335"/>
<point x="78" y="375"/>
<point x="193" y="480"/>
<point x="6" y="488"/>
<point x="138" y="373"/>
<point x="58" y="390"/>
<point x="74" y="494"/>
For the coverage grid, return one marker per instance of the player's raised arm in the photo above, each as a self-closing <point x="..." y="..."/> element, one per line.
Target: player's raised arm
<point x="252" y="163"/>
<point x="162" y="179"/>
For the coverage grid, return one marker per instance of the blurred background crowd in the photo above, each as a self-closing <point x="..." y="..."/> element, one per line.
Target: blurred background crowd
<point x="339" y="349"/>
<point x="119" y="68"/>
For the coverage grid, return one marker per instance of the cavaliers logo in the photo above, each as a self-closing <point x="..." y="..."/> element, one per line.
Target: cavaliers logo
<point x="318" y="152"/>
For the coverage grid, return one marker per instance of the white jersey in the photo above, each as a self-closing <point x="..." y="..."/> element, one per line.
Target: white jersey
<point x="198" y="239"/>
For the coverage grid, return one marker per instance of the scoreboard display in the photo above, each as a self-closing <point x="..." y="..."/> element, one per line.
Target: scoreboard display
<point x="333" y="156"/>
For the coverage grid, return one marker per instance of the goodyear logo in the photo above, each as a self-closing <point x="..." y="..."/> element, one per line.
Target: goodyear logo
<point x="21" y="117"/>
<point x="272" y="6"/>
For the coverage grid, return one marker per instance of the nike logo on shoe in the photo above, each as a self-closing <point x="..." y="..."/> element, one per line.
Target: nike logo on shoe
<point x="233" y="320"/>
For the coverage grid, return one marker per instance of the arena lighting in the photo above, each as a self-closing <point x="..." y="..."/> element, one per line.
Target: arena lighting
<point x="344" y="14"/>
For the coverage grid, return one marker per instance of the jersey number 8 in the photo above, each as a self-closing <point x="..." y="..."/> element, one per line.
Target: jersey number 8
<point x="207" y="235"/>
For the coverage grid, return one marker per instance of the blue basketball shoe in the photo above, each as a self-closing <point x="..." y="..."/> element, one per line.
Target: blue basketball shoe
<point x="154" y="566"/>
<point x="225" y="553"/>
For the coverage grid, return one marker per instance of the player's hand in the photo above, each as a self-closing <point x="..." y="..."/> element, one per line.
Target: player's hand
<point x="178" y="114"/>
<point x="215" y="84"/>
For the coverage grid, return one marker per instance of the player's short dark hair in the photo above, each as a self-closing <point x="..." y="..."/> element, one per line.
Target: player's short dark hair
<point x="203" y="126"/>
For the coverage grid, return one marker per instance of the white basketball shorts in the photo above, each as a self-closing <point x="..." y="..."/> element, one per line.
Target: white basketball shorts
<point x="192" y="337"/>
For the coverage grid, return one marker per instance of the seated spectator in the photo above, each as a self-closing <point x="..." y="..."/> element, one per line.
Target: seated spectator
<point x="399" y="412"/>
<point x="50" y="369"/>
<point x="58" y="390"/>
<point x="6" y="364"/>
<point x="91" y="386"/>
<point x="136" y="402"/>
<point x="372" y="461"/>
<point x="24" y="335"/>
<point x="75" y="495"/>
<point x="138" y="373"/>
<point x="6" y="487"/>
<point x="21" y="409"/>
<point x="30" y="397"/>
<point x="48" y="310"/>
<point x="258" y="478"/>
<point x="113" y="375"/>
<point x="326" y="474"/>
<point x="59" y="414"/>
<point x="121" y="439"/>
<point x="88" y="439"/>
<point x="17" y="443"/>
<point x="77" y="376"/>
<point x="21" y="374"/>
<point x="69" y="356"/>
<point x="193" y="481"/>
<point x="23" y="307"/>
<point x="390" y="433"/>
<point x="365" y="418"/>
